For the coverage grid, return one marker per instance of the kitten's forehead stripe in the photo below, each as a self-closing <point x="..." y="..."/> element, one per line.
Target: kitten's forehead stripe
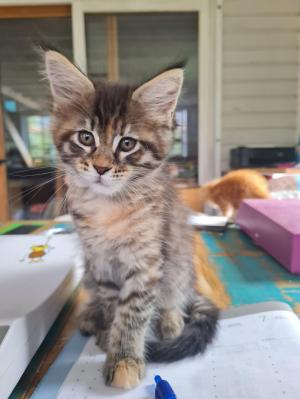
<point x="109" y="132"/>
<point x="111" y="103"/>
<point x="93" y="122"/>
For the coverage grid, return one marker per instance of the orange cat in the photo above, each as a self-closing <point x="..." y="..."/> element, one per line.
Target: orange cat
<point x="227" y="193"/>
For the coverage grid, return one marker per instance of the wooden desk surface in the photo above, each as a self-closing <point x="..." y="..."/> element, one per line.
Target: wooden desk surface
<point x="245" y="272"/>
<point x="57" y="337"/>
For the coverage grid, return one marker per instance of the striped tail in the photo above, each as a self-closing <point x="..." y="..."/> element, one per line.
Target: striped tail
<point x="197" y="334"/>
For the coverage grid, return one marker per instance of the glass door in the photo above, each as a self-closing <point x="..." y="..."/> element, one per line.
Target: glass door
<point x="127" y="40"/>
<point x="29" y="152"/>
<point x="134" y="47"/>
<point x="132" y="41"/>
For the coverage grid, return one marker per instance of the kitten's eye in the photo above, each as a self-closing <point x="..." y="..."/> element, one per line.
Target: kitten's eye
<point x="127" y="144"/>
<point x="86" y="138"/>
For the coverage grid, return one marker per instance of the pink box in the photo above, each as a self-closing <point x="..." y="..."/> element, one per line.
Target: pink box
<point x="275" y="226"/>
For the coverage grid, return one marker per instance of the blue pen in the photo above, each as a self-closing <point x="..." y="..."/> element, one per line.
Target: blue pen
<point x="163" y="389"/>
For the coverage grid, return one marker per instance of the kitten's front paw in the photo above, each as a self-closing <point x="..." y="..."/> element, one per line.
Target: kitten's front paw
<point x="171" y="324"/>
<point x="123" y="373"/>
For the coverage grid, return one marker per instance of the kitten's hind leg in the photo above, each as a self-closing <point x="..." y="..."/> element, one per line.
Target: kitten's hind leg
<point x="98" y="314"/>
<point x="89" y="319"/>
<point x="93" y="322"/>
<point x="171" y="324"/>
<point x="96" y="318"/>
<point x="102" y="337"/>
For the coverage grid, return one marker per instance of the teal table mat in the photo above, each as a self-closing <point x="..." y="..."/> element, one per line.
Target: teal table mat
<point x="248" y="273"/>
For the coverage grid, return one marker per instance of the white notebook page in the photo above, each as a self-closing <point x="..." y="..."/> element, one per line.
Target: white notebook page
<point x="254" y="357"/>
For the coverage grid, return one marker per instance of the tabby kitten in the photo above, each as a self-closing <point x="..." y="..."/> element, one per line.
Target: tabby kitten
<point x="113" y="140"/>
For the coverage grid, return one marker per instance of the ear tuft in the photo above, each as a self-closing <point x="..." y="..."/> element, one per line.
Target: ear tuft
<point x="67" y="82"/>
<point x="159" y="95"/>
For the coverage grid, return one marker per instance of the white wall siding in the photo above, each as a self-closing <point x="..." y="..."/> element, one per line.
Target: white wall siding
<point x="260" y="73"/>
<point x="262" y="7"/>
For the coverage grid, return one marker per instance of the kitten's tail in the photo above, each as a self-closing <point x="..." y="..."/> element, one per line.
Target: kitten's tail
<point x="198" y="332"/>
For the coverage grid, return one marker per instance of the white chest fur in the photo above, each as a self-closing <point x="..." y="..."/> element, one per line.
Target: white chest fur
<point x="114" y="233"/>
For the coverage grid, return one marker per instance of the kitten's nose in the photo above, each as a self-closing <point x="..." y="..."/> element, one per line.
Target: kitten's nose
<point x="101" y="169"/>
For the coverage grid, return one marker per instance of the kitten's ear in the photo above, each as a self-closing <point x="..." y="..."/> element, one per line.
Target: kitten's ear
<point x="67" y="83"/>
<point x="159" y="95"/>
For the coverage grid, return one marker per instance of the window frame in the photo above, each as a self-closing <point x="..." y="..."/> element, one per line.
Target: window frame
<point x="210" y="60"/>
<point x="209" y="53"/>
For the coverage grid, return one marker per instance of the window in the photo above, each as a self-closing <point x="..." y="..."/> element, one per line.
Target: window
<point x="25" y="107"/>
<point x="137" y="46"/>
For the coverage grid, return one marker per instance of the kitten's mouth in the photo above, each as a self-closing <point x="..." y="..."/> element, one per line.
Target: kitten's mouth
<point x="101" y="182"/>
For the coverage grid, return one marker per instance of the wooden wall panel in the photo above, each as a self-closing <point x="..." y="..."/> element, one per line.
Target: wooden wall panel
<point x="260" y="73"/>
<point x="8" y="12"/>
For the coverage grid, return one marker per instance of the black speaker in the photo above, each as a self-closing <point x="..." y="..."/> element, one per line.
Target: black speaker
<point x="246" y="157"/>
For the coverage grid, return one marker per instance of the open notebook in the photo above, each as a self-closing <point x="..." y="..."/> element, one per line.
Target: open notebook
<point x="256" y="356"/>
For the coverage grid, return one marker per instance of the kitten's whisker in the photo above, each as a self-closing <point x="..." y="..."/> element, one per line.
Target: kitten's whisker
<point x="55" y="178"/>
<point x="47" y="203"/>
<point x="28" y="191"/>
<point x="63" y="204"/>
<point x="32" y="174"/>
<point x="58" y="166"/>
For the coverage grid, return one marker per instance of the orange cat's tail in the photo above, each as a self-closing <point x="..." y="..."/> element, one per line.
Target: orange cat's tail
<point x="207" y="280"/>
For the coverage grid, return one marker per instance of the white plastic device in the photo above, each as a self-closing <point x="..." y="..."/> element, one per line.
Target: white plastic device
<point x="36" y="279"/>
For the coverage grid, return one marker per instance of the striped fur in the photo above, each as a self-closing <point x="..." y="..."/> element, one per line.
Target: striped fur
<point x="138" y="248"/>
